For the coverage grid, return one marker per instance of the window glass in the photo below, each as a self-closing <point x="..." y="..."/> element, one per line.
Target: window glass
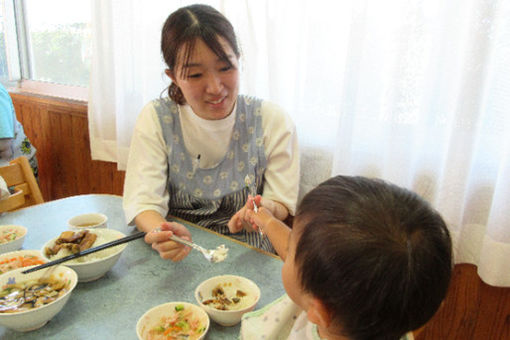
<point x="4" y="70"/>
<point x="58" y="40"/>
<point x="9" y="56"/>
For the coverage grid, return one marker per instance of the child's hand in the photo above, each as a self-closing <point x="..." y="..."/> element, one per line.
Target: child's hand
<point x="260" y="219"/>
<point x="241" y="219"/>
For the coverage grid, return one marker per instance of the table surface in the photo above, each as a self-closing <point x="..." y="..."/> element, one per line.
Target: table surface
<point x="110" y="307"/>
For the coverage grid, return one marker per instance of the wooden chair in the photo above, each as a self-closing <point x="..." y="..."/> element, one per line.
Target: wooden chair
<point x="18" y="175"/>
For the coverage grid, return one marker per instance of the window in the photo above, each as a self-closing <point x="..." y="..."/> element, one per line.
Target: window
<point x="52" y="40"/>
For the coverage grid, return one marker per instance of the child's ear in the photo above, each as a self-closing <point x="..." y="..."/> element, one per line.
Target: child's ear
<point x="318" y="314"/>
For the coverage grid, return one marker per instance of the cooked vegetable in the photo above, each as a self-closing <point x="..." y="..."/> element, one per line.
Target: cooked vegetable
<point x="181" y="324"/>
<point x="8" y="235"/>
<point x="19" y="262"/>
<point x="224" y="301"/>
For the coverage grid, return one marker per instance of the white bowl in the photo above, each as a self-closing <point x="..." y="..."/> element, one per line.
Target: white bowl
<point x="88" y="221"/>
<point x="17" y="242"/>
<point x="152" y="318"/>
<point x="37" y="317"/>
<point x="230" y="284"/>
<point x="11" y="265"/>
<point x="93" y="266"/>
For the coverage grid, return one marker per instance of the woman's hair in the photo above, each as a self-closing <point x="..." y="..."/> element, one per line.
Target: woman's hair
<point x="378" y="256"/>
<point x="181" y="30"/>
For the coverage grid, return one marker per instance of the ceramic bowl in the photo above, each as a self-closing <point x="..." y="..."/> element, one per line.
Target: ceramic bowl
<point x="154" y="318"/>
<point x="93" y="266"/>
<point x="36" y="318"/>
<point x="20" y="258"/>
<point x="11" y="237"/>
<point x="88" y="221"/>
<point x="242" y="292"/>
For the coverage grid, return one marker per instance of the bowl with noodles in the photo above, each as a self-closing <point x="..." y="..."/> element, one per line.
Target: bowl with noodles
<point x="29" y="301"/>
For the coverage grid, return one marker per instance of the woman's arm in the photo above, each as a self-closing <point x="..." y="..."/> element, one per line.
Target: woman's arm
<point x="145" y="199"/>
<point x="281" y="178"/>
<point x="145" y="185"/>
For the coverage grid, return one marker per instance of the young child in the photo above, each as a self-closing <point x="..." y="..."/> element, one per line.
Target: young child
<point x="365" y="259"/>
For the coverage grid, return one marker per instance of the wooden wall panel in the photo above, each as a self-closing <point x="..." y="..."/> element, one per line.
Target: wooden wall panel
<point x="472" y="310"/>
<point x="59" y="130"/>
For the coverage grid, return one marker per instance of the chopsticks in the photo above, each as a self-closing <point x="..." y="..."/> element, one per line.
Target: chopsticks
<point x="87" y="251"/>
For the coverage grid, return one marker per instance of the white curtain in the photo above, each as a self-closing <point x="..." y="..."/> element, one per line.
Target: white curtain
<point x="414" y="92"/>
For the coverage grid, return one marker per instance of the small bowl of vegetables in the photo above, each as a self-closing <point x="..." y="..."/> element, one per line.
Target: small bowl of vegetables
<point x="173" y="320"/>
<point x="11" y="237"/>
<point x="19" y="259"/>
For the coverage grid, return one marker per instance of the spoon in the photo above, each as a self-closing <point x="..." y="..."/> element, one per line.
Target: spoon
<point x="212" y="255"/>
<point x="247" y="182"/>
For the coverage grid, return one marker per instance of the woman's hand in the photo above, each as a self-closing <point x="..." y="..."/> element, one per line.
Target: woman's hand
<point x="258" y="220"/>
<point x="240" y="220"/>
<point x="159" y="238"/>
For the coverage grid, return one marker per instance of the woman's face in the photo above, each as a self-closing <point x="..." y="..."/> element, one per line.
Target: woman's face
<point x="209" y="85"/>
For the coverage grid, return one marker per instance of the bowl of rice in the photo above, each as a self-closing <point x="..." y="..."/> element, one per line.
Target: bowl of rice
<point x="92" y="266"/>
<point x="173" y="320"/>
<point x="11" y="237"/>
<point x="19" y="259"/>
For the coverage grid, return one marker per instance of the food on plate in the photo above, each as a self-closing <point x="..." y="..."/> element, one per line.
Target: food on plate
<point x="223" y="301"/>
<point x="19" y="261"/>
<point x="182" y="323"/>
<point x="23" y="296"/>
<point x="72" y="241"/>
<point x="10" y="234"/>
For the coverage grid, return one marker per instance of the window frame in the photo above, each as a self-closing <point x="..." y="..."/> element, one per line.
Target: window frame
<point x="21" y="70"/>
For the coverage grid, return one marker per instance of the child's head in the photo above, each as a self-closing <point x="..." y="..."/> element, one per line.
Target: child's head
<point x="180" y="33"/>
<point x="377" y="256"/>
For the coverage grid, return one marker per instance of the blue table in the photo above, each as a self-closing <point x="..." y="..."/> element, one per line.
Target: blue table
<point x="110" y="307"/>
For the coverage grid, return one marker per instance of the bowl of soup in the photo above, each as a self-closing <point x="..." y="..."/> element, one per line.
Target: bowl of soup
<point x="88" y="221"/>
<point x="227" y="297"/>
<point x="29" y="301"/>
<point x="173" y="320"/>
<point x="11" y="237"/>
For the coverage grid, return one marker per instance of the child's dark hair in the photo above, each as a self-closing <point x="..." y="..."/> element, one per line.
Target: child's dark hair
<point x="378" y="256"/>
<point x="184" y="26"/>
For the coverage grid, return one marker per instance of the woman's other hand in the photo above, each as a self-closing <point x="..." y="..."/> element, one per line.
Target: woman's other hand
<point x="240" y="219"/>
<point x="159" y="238"/>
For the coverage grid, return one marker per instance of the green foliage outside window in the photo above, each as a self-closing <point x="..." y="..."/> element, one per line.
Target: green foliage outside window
<point x="62" y="55"/>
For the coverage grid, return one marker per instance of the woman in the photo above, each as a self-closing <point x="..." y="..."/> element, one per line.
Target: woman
<point x="193" y="153"/>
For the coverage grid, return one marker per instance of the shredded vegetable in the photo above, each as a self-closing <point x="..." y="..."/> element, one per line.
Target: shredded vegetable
<point x="8" y="235"/>
<point x="181" y="324"/>
<point x="19" y="262"/>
